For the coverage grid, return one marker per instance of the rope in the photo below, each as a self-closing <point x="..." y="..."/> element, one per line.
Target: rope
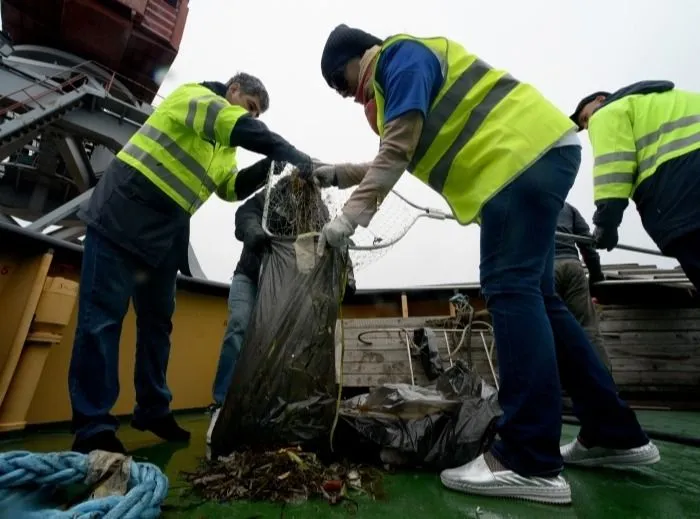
<point x="343" y="281"/>
<point x="148" y="486"/>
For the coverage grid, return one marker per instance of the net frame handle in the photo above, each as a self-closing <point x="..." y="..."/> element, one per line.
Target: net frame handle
<point x="426" y="212"/>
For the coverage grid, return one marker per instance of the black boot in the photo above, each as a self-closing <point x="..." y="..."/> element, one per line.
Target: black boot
<point x="102" y="441"/>
<point x="164" y="427"/>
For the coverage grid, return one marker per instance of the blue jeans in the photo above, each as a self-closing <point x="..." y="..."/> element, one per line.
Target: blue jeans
<point x="538" y="340"/>
<point x="241" y="301"/>
<point x="110" y="277"/>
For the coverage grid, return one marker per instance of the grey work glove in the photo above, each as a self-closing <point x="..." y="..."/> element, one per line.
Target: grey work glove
<point x="326" y="176"/>
<point x="336" y="233"/>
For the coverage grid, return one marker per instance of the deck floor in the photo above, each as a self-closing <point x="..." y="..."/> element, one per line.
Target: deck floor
<point x="670" y="489"/>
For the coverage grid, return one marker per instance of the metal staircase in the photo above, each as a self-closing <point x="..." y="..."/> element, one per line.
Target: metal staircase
<point x="61" y="122"/>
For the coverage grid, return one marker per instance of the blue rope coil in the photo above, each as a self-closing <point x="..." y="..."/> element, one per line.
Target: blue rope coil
<point x="147" y="487"/>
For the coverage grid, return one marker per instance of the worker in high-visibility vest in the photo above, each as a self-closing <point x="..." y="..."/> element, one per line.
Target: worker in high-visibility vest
<point x="505" y="157"/>
<point x="646" y="144"/>
<point x="137" y="237"/>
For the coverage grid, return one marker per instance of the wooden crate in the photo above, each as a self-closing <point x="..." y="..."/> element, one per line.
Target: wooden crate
<point x="386" y="359"/>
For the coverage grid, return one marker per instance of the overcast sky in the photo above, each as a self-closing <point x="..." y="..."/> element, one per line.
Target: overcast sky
<point x="566" y="49"/>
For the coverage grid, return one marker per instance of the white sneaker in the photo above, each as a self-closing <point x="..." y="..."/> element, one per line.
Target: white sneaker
<point x="212" y="423"/>
<point x="477" y="478"/>
<point x="574" y="453"/>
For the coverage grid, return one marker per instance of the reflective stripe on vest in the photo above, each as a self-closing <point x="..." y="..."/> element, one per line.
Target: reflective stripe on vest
<point x="213" y="109"/>
<point x="446" y="107"/>
<point x="193" y="167"/>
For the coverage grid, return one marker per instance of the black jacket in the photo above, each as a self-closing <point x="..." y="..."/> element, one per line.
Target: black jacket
<point x="570" y="221"/>
<point x="134" y="213"/>
<point x="249" y="217"/>
<point x="667" y="201"/>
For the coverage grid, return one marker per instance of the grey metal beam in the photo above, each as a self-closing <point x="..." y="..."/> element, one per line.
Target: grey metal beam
<point x="60" y="213"/>
<point x="100" y="158"/>
<point x="195" y="267"/>
<point x="40" y="194"/>
<point x="68" y="233"/>
<point x="99" y="127"/>
<point x="76" y="161"/>
<point x="8" y="219"/>
<point x="17" y="143"/>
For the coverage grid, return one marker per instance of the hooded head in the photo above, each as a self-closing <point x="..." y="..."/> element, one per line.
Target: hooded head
<point x="340" y="61"/>
<point x="586" y="107"/>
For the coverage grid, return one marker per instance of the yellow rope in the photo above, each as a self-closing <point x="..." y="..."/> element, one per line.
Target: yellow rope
<point x="344" y="280"/>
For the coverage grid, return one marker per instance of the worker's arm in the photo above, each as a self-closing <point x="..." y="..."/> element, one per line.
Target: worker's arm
<point x="253" y="135"/>
<point x="248" y="219"/>
<point x="590" y="255"/>
<point x="615" y="162"/>
<point x="407" y="74"/>
<point x="214" y="119"/>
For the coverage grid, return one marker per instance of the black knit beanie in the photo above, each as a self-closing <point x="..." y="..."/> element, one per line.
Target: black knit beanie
<point x="343" y="44"/>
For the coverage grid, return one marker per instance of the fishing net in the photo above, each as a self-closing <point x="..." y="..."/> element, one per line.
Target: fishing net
<point x="308" y="207"/>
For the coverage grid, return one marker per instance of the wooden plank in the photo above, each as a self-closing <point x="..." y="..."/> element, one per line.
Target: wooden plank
<point x="617" y="313"/>
<point x="404" y="305"/>
<point x="656" y="337"/>
<point x="680" y="350"/>
<point x="650" y="326"/>
<point x="378" y="380"/>
<point x="386" y="322"/>
<point x="661" y="378"/>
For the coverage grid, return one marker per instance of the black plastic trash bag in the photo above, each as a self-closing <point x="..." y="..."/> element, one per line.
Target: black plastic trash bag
<point x="432" y="428"/>
<point x="426" y="340"/>
<point x="283" y="389"/>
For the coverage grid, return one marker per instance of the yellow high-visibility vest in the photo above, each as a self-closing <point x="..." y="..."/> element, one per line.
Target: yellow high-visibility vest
<point x="183" y="147"/>
<point x="483" y="129"/>
<point x="632" y="136"/>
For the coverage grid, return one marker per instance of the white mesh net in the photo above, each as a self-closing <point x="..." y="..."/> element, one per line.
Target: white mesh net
<point x="294" y="207"/>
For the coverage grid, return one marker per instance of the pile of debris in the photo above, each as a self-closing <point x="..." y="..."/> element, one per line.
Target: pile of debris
<point x="287" y="475"/>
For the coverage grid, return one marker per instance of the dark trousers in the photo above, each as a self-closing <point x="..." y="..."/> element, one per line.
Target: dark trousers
<point x="110" y="277"/>
<point x="686" y="249"/>
<point x="538" y="341"/>
<point x="571" y="284"/>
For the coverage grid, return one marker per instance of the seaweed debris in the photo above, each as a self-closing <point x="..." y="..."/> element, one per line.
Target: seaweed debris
<point x="287" y="475"/>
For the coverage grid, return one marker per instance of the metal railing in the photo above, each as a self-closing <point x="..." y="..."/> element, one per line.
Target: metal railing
<point x="81" y="74"/>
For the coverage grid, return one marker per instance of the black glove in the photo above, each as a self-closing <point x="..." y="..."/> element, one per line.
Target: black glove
<point x="350" y="289"/>
<point x="256" y="239"/>
<point x="605" y="238"/>
<point x="305" y="168"/>
<point x="278" y="167"/>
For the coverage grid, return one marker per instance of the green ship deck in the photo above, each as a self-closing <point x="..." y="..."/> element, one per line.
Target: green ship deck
<point x="669" y="489"/>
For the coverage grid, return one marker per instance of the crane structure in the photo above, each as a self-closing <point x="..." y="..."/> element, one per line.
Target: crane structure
<point x="77" y="79"/>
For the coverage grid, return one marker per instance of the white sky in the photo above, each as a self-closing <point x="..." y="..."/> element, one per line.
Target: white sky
<point x="566" y="49"/>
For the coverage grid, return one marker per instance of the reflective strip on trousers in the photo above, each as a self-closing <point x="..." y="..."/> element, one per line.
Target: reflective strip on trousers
<point x="439" y="115"/>
<point x="214" y="107"/>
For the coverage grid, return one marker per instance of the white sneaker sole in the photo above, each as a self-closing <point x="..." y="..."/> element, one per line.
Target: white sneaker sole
<point x="534" y="494"/>
<point x="618" y="460"/>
